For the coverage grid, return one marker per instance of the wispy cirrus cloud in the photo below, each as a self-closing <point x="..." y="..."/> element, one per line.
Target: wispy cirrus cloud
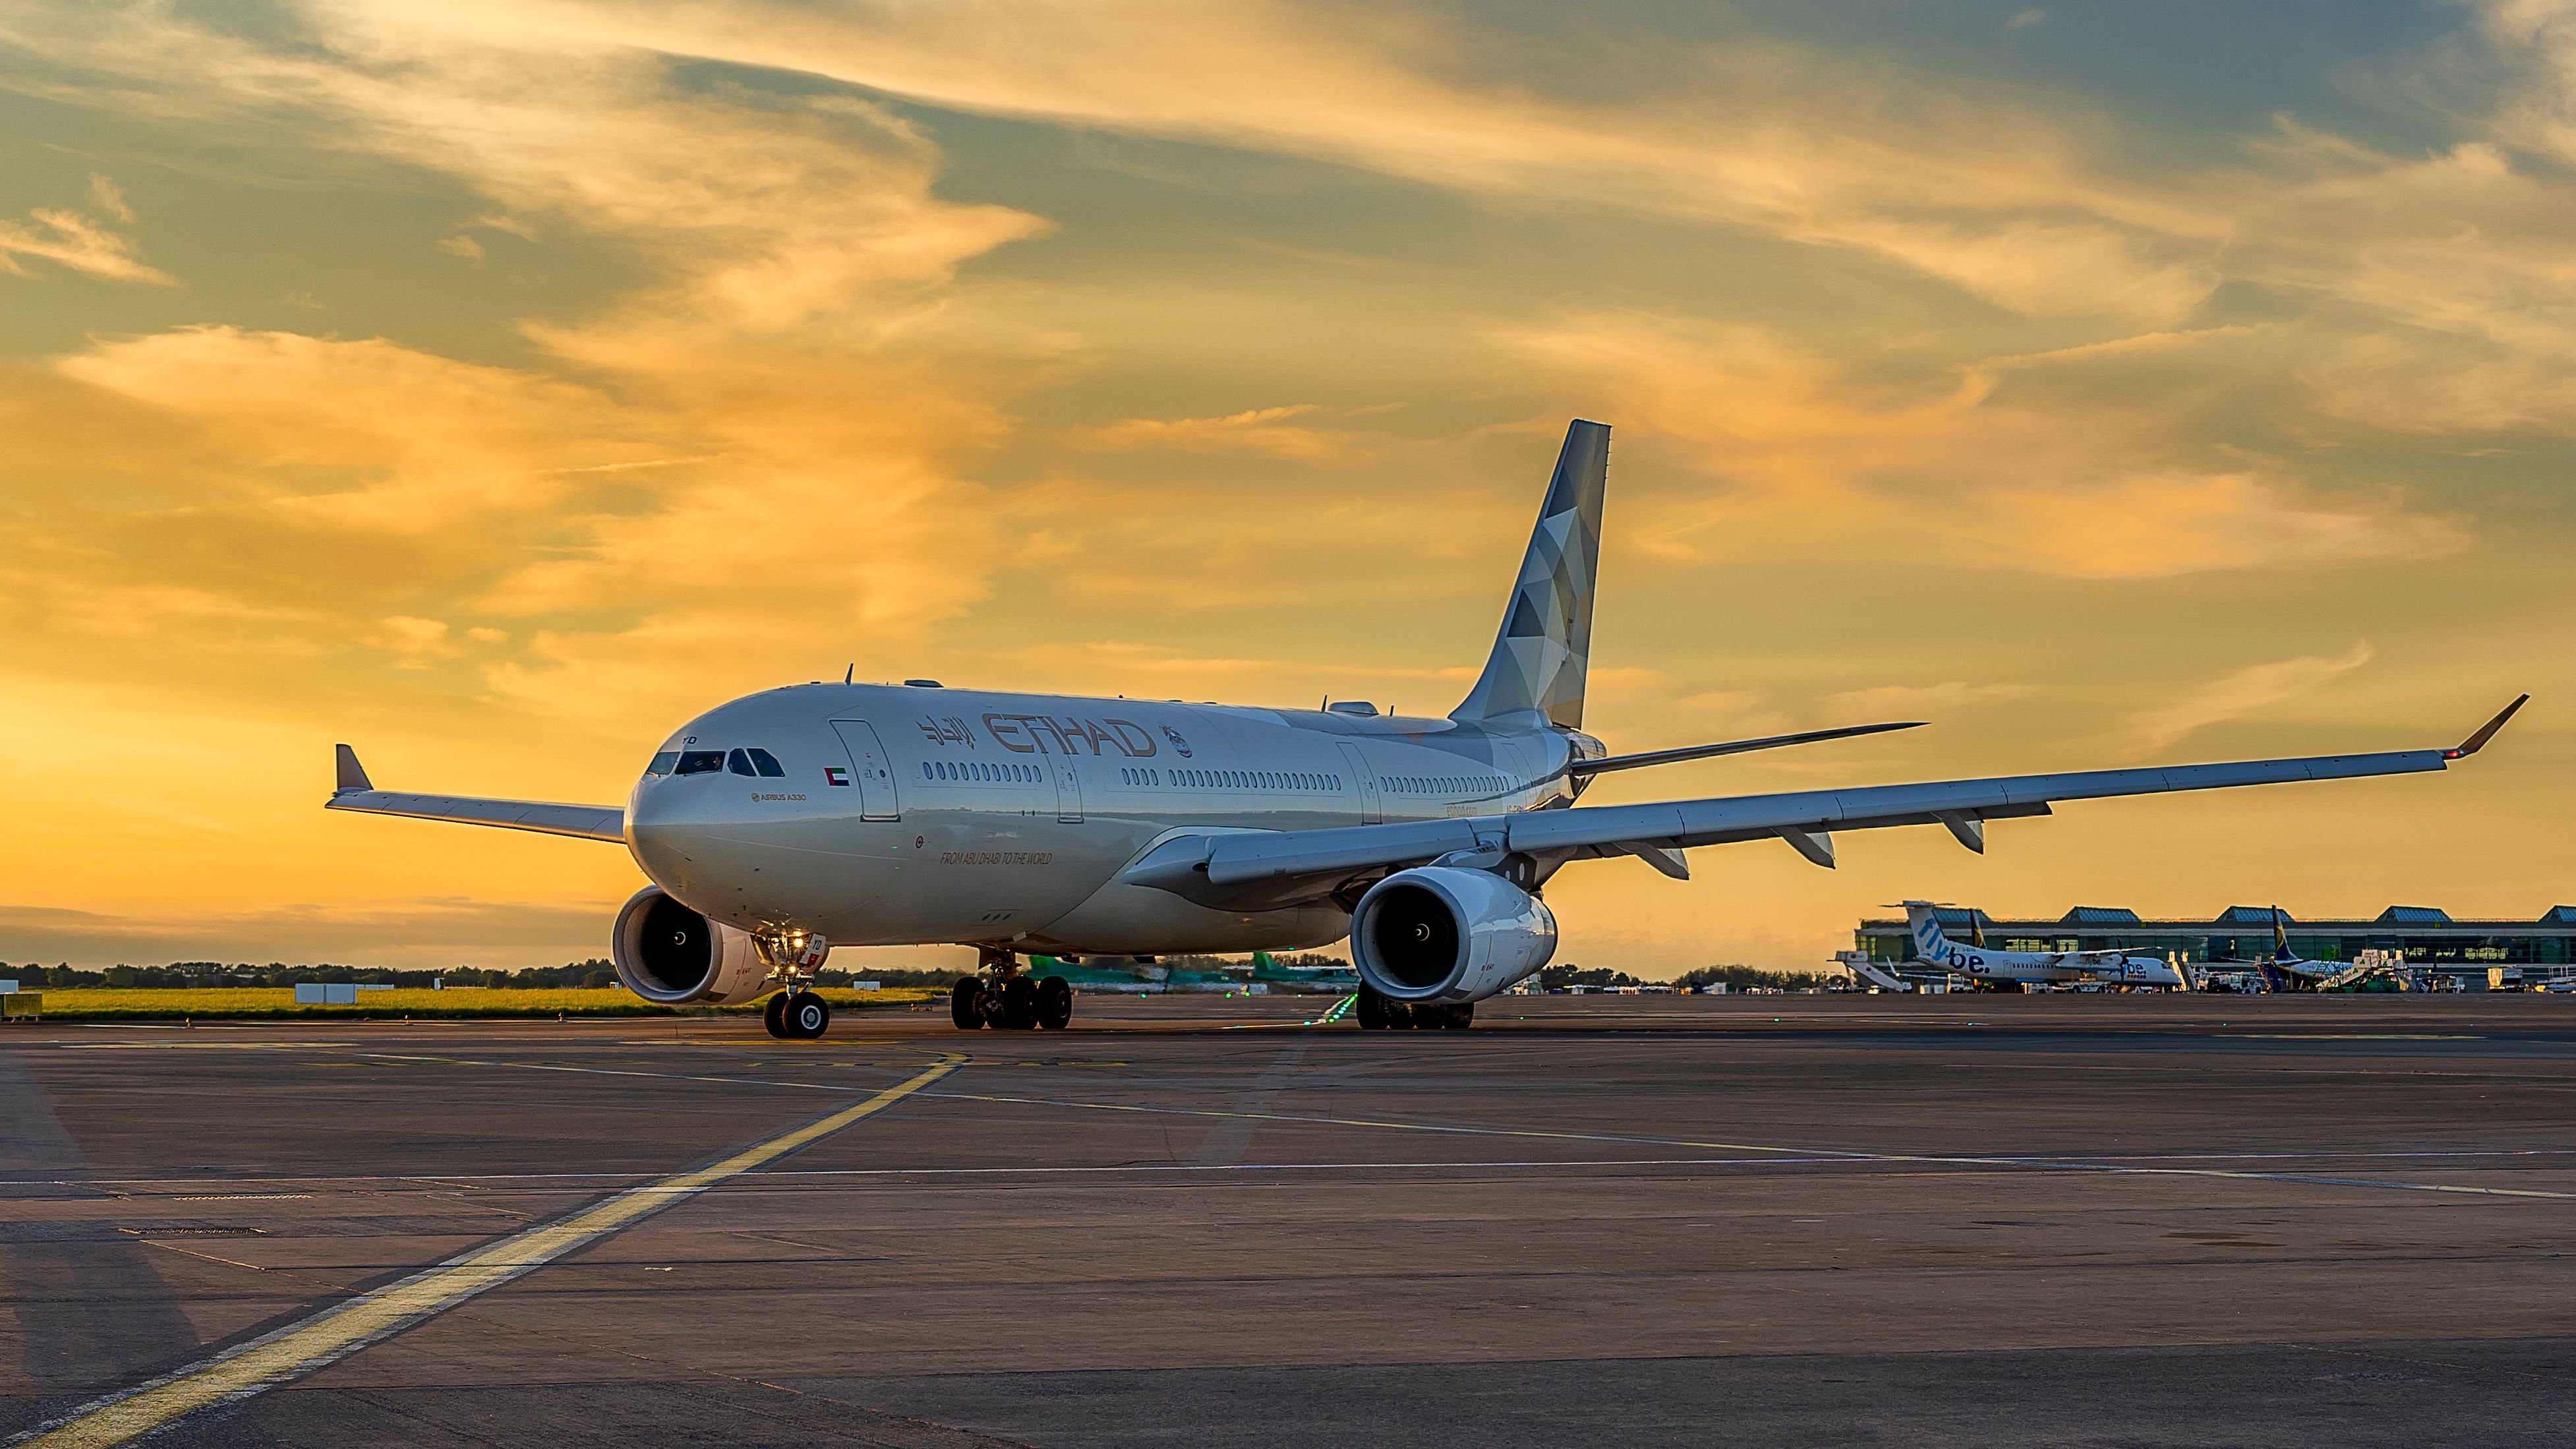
<point x="2096" y="489"/>
<point x="2249" y="690"/>
<point x="1272" y="432"/>
<point x="1929" y="701"/>
<point x="84" y="242"/>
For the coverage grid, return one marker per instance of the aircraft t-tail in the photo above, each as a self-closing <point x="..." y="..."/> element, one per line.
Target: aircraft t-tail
<point x="784" y="822"/>
<point x="2018" y="969"/>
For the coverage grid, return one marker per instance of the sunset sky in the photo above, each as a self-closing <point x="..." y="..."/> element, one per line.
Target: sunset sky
<point x="494" y="384"/>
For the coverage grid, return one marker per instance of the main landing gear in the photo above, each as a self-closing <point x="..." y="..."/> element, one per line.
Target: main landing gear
<point x="1005" y="997"/>
<point x="1378" y="1012"/>
<point x="797" y="1015"/>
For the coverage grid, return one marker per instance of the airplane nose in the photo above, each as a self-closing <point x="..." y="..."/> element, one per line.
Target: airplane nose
<point x="662" y="831"/>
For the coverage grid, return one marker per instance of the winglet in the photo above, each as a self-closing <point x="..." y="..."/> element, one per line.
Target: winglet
<point x="2487" y="731"/>
<point x="352" y="775"/>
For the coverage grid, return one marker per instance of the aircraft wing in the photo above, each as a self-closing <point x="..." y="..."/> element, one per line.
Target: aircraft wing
<point x="1255" y="864"/>
<point x="588" y="822"/>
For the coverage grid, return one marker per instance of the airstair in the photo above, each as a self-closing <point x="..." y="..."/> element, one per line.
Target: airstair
<point x="1865" y="970"/>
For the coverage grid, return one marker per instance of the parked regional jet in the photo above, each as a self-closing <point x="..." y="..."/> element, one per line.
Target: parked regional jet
<point x="783" y="822"/>
<point x="2015" y="969"/>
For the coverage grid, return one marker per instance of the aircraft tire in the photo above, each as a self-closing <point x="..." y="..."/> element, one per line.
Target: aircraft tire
<point x="807" y="1016"/>
<point x="1461" y="1016"/>
<point x="1371" y="1010"/>
<point x="962" y="1005"/>
<point x="1019" y="1005"/>
<point x="1427" y="1017"/>
<point x="773" y="1014"/>
<point x="1055" y="1003"/>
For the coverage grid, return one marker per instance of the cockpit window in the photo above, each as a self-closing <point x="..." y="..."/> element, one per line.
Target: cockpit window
<point x="700" y="762"/>
<point x="740" y="763"/>
<point x="767" y="764"/>
<point x="663" y="763"/>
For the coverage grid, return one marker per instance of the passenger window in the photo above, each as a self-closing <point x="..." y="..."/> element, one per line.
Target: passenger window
<point x="663" y="763"/>
<point x="700" y="762"/>
<point x="767" y="764"/>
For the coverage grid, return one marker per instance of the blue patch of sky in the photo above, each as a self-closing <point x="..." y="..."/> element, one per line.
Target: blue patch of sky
<point x="2187" y="66"/>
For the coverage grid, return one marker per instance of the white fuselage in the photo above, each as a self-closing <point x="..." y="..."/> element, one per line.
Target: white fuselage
<point x="905" y="815"/>
<point x="1985" y="965"/>
<point x="1934" y="947"/>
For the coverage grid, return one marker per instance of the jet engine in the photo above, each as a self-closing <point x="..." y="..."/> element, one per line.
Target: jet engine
<point x="670" y="954"/>
<point x="1447" y="934"/>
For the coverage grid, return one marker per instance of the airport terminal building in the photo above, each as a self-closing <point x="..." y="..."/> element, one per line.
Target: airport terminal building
<point x="2426" y="936"/>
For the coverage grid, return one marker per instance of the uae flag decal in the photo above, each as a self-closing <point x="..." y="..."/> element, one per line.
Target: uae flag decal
<point x="835" y="775"/>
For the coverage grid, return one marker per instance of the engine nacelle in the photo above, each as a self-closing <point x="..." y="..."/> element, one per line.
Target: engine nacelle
<point x="1446" y="934"/>
<point x="669" y="954"/>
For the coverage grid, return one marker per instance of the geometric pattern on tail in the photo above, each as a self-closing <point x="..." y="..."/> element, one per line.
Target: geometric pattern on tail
<point x="1543" y="650"/>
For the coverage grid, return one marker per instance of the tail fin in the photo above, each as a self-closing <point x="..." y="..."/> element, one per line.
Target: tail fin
<point x="1541" y="655"/>
<point x="1925" y="922"/>
<point x="2280" y="938"/>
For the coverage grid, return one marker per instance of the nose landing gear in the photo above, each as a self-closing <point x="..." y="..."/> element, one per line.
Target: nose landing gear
<point x="1005" y="997"/>
<point x="797" y="1015"/>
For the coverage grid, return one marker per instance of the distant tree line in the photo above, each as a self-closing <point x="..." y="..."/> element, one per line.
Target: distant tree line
<point x="1745" y="978"/>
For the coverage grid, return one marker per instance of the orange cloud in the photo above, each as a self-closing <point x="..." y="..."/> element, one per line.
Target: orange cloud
<point x="80" y="242"/>
<point x="1266" y="431"/>
<point x="2083" y="490"/>
<point x="2255" y="687"/>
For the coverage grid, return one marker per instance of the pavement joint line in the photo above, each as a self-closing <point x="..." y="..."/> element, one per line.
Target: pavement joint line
<point x="315" y="1342"/>
<point x="2039" y="1164"/>
<point x="474" y="1180"/>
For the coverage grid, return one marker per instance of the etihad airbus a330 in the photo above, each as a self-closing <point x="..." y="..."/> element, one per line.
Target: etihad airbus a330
<point x="785" y="822"/>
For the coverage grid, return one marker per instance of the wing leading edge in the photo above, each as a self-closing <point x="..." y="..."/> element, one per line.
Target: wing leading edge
<point x="354" y="791"/>
<point x="1266" y="863"/>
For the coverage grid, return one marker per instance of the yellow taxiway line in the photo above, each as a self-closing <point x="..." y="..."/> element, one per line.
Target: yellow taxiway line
<point x="344" y="1328"/>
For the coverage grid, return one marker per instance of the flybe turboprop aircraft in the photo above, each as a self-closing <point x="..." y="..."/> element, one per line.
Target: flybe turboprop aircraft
<point x="2015" y="969"/>
<point x="784" y="822"/>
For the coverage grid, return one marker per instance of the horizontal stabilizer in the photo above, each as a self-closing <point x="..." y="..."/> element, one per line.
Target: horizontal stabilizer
<point x="1644" y="758"/>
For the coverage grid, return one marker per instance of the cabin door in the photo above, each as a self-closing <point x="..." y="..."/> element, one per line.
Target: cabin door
<point x="872" y="767"/>
<point x="1363" y="783"/>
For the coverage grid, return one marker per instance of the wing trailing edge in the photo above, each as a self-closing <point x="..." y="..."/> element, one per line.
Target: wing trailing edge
<point x="1277" y="864"/>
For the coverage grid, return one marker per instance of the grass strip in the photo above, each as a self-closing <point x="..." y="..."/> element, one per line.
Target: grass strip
<point x="233" y="1003"/>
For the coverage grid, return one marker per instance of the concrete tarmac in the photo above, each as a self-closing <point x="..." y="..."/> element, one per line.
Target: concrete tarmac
<point x="1589" y="1221"/>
